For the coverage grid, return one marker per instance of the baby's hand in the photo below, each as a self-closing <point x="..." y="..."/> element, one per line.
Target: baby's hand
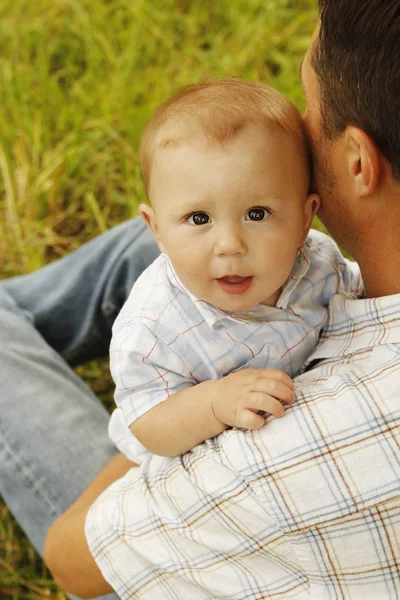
<point x="239" y="397"/>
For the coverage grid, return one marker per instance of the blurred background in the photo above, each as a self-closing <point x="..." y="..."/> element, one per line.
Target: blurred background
<point x="78" y="80"/>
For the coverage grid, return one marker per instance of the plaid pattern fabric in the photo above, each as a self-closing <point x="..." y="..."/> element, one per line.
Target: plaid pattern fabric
<point x="306" y="507"/>
<point x="165" y="339"/>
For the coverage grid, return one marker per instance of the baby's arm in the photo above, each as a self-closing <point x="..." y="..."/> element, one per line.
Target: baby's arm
<point x="202" y="411"/>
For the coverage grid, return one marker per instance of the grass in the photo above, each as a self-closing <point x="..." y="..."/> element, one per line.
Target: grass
<point x="79" y="79"/>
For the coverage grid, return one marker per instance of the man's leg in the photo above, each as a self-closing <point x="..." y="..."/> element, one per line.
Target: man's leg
<point x="53" y="430"/>
<point x="75" y="300"/>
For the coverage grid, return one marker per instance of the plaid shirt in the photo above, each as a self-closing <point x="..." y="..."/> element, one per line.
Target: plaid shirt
<point x="165" y="339"/>
<point x="306" y="507"/>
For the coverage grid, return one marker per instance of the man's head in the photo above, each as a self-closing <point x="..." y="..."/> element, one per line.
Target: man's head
<point x="226" y="169"/>
<point x="352" y="83"/>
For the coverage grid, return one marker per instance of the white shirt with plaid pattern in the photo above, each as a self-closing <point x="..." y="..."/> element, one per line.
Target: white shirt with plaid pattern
<point x="165" y="339"/>
<point x="307" y="507"/>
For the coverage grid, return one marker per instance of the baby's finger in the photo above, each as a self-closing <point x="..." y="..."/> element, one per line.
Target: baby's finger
<point x="267" y="404"/>
<point x="277" y="389"/>
<point x="249" y="420"/>
<point x="278" y="375"/>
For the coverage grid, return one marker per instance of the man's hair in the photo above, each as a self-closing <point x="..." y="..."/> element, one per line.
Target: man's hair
<point x="356" y="59"/>
<point x="220" y="108"/>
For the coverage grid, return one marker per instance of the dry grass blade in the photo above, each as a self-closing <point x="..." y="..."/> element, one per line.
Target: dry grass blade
<point x="10" y="206"/>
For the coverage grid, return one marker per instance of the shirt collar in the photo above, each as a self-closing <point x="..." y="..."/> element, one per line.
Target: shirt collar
<point x="354" y="325"/>
<point x="299" y="270"/>
<point x="259" y="314"/>
<point x="210" y="313"/>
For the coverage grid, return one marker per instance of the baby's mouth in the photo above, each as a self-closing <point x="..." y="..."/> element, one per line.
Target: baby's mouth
<point x="235" y="284"/>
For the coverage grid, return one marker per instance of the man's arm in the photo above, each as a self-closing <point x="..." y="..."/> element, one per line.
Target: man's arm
<point x="66" y="551"/>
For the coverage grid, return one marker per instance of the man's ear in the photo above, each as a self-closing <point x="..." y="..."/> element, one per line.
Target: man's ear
<point x="149" y="217"/>
<point x="311" y="208"/>
<point x="364" y="161"/>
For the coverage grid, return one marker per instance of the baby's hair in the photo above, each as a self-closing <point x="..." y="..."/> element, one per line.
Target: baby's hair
<point x="220" y="107"/>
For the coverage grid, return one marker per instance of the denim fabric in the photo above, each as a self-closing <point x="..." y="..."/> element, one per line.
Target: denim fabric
<point x="53" y="430"/>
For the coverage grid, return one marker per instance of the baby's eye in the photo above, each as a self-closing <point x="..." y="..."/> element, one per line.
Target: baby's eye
<point x="258" y="213"/>
<point x="198" y="218"/>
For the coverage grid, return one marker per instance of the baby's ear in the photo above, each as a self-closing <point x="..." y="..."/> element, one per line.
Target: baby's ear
<point x="311" y="208"/>
<point x="149" y="217"/>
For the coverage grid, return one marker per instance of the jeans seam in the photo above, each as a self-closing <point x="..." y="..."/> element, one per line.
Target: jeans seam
<point x="28" y="475"/>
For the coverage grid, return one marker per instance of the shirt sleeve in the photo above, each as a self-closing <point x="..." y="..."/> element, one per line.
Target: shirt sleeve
<point x="146" y="371"/>
<point x="183" y="527"/>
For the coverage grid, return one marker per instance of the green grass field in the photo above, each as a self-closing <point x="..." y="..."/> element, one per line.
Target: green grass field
<point x="79" y="78"/>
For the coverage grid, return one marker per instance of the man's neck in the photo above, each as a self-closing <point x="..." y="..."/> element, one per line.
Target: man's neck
<point x="380" y="269"/>
<point x="376" y="240"/>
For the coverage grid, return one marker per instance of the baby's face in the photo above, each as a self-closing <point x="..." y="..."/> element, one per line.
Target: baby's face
<point x="232" y="217"/>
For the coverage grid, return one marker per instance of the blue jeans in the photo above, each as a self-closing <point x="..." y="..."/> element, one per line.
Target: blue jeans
<point x="53" y="430"/>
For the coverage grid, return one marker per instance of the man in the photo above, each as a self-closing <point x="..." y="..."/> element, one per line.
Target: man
<point x="308" y="506"/>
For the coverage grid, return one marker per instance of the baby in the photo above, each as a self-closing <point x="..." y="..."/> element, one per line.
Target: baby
<point x="214" y="330"/>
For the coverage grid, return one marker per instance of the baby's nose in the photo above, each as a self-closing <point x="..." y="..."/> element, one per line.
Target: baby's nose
<point x="229" y="241"/>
